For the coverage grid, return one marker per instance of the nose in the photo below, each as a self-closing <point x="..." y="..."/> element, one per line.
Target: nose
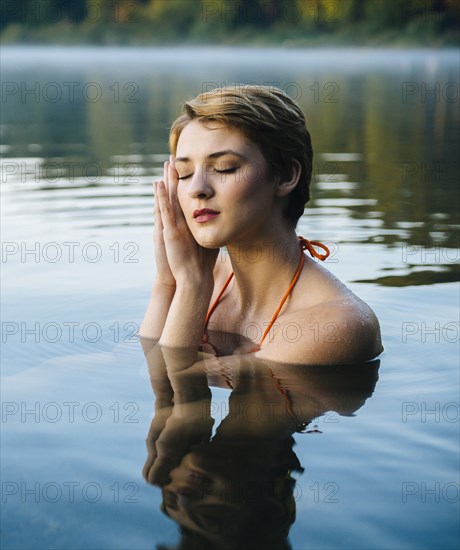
<point x="200" y="187"/>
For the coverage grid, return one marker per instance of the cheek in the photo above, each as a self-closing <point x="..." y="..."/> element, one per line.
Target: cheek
<point x="184" y="203"/>
<point x="253" y="175"/>
<point x="253" y="190"/>
<point x="182" y="197"/>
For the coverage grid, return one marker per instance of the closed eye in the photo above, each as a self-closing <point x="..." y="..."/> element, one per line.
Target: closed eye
<point x="228" y="170"/>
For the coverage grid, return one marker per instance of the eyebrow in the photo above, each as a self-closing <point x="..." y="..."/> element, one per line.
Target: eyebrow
<point x="215" y="155"/>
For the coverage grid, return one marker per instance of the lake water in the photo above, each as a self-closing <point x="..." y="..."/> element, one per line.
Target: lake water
<point x="84" y="132"/>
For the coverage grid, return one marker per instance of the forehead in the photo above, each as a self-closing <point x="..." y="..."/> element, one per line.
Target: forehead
<point x="198" y="140"/>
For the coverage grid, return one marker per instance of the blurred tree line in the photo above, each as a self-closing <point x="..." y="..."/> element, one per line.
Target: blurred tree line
<point x="294" y="22"/>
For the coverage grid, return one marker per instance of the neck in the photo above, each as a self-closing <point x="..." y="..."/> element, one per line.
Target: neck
<point x="263" y="269"/>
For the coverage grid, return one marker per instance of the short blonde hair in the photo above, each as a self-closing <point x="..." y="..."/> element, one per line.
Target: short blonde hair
<point x="270" y="119"/>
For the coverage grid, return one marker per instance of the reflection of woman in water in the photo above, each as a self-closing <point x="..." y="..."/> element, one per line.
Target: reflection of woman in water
<point x="239" y="177"/>
<point x="236" y="490"/>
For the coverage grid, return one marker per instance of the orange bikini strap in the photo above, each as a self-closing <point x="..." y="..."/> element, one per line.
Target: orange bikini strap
<point x="284" y="298"/>
<point x="305" y="244"/>
<point x="216" y="301"/>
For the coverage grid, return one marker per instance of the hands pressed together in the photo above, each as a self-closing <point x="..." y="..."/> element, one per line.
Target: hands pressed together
<point x="184" y="279"/>
<point x="179" y="258"/>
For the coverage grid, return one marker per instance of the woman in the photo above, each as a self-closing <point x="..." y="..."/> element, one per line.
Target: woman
<point x="239" y="177"/>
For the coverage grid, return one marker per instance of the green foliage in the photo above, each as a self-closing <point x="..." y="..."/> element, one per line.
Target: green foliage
<point x="230" y="21"/>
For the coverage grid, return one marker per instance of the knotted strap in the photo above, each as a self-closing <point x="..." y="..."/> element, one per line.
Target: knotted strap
<point x="305" y="244"/>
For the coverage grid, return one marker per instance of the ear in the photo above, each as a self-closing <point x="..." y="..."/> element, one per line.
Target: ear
<point x="285" y="186"/>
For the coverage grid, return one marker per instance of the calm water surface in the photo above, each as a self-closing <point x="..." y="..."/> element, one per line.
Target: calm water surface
<point x="84" y="132"/>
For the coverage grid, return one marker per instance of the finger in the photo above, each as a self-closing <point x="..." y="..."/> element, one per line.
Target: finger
<point x="167" y="458"/>
<point x="158" y="223"/>
<point x="166" y="210"/>
<point x="173" y="179"/>
<point x="148" y="465"/>
<point x="166" y="174"/>
<point x="173" y="176"/>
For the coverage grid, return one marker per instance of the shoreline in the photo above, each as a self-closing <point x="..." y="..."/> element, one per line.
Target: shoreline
<point x="194" y="46"/>
<point x="144" y="38"/>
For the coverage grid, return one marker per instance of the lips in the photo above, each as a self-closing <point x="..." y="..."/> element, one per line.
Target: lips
<point x="204" y="215"/>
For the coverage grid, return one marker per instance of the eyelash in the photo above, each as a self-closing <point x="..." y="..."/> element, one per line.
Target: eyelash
<point x="227" y="171"/>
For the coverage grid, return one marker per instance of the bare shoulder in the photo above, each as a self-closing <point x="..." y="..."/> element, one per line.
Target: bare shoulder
<point x="342" y="330"/>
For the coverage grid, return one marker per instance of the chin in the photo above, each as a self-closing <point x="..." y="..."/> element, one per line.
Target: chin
<point x="210" y="243"/>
